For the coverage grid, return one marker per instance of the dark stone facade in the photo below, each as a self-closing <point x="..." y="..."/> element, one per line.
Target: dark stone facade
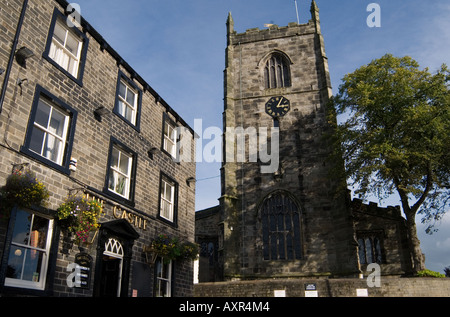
<point x="293" y="222"/>
<point x="133" y="221"/>
<point x="327" y="287"/>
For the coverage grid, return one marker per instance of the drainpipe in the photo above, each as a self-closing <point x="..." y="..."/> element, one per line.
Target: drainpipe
<point x="13" y="52"/>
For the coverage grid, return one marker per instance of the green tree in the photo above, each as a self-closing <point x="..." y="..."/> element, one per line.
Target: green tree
<point x="395" y="138"/>
<point x="447" y="271"/>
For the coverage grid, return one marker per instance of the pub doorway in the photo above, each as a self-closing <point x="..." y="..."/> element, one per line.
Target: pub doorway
<point x="113" y="263"/>
<point x="111" y="274"/>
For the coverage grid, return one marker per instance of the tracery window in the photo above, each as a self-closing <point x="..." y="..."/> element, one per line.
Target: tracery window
<point x="113" y="248"/>
<point x="369" y="248"/>
<point x="281" y="228"/>
<point x="277" y="72"/>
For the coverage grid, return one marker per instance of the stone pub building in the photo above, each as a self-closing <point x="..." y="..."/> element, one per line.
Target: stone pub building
<point x="83" y="123"/>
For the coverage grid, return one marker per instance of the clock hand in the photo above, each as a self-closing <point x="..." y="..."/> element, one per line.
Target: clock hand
<point x="280" y="103"/>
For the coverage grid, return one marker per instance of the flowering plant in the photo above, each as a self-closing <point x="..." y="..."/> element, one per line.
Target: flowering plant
<point x="79" y="216"/>
<point x="165" y="247"/>
<point x="190" y="250"/>
<point x="24" y="190"/>
<point x="171" y="248"/>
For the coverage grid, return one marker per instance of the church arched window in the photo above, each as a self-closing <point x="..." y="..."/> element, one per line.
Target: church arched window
<point x="277" y="72"/>
<point x="281" y="228"/>
<point x="369" y="248"/>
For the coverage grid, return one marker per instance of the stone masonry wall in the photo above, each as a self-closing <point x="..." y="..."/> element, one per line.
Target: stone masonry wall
<point x="304" y="168"/>
<point x="208" y="237"/>
<point x="390" y="287"/>
<point x="92" y="138"/>
<point x="390" y="226"/>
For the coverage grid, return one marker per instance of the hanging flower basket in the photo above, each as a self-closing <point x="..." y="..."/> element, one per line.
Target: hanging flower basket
<point x="190" y="251"/>
<point x="79" y="216"/>
<point x="170" y="249"/>
<point x="165" y="247"/>
<point x="22" y="189"/>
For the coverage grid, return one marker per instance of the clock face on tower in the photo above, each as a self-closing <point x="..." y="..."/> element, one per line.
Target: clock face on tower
<point x="278" y="106"/>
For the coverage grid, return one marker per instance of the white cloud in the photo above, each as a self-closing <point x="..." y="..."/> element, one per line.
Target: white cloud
<point x="433" y="37"/>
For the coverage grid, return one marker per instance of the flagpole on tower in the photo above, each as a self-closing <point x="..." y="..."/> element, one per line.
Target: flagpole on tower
<point x="296" y="10"/>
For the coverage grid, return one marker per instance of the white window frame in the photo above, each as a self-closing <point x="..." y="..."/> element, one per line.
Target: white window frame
<point x="170" y="143"/>
<point x="167" y="201"/>
<point x="115" y="172"/>
<point x="48" y="131"/>
<point x="165" y="268"/>
<point x="61" y="55"/>
<point x="126" y="104"/>
<point x="12" y="282"/>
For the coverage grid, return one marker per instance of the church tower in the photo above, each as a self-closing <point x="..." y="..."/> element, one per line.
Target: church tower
<point x="280" y="212"/>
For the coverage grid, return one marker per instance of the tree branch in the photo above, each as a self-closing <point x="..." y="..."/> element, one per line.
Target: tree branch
<point x="428" y="187"/>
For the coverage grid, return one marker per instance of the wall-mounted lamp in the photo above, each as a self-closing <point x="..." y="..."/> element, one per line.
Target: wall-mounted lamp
<point x="190" y="180"/>
<point x="22" y="55"/>
<point x="152" y="152"/>
<point x="73" y="164"/>
<point x="100" y="112"/>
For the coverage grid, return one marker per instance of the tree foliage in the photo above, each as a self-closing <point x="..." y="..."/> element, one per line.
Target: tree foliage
<point x="396" y="134"/>
<point x="447" y="271"/>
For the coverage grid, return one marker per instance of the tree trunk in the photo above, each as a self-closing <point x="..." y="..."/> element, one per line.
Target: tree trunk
<point x="418" y="259"/>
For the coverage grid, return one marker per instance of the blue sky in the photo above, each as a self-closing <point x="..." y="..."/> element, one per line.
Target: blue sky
<point x="178" y="47"/>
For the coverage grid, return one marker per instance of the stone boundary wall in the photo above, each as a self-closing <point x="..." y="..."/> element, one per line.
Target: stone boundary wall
<point x="390" y="287"/>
